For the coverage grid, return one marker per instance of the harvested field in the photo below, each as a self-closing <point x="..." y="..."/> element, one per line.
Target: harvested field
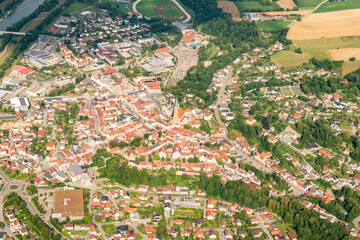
<point x="344" y="53"/>
<point x="332" y="24"/>
<point x="286" y="4"/>
<point x="281" y="13"/>
<point x="349" y="67"/>
<point x="313" y="48"/>
<point x="230" y="7"/>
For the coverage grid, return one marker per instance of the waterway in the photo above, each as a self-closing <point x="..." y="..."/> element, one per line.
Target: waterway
<point x="23" y="10"/>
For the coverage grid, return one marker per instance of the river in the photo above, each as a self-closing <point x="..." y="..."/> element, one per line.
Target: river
<point x="23" y="10"/>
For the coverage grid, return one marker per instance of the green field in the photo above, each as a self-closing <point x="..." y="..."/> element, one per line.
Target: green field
<point x="147" y="7"/>
<point x="312" y="48"/>
<point x="171" y="12"/>
<point x="109" y="229"/>
<point x="307" y="3"/>
<point x="76" y="6"/>
<point x="349" y="67"/>
<point x="338" y="6"/>
<point x="272" y="26"/>
<point x="256" y="7"/>
<point x="121" y="6"/>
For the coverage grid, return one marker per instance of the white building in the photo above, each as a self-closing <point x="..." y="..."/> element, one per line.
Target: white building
<point x="20" y="103"/>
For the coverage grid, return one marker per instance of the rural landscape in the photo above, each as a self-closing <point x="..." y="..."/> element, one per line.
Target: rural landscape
<point x="179" y="119"/>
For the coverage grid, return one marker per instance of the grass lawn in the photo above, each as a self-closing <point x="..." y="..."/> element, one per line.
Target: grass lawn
<point x="185" y="213"/>
<point x="312" y="48"/>
<point x="147" y="7"/>
<point x="349" y="67"/>
<point x="284" y="227"/>
<point x="307" y="3"/>
<point x="109" y="229"/>
<point x="338" y="6"/>
<point x="76" y="6"/>
<point x="171" y="12"/>
<point x="256" y="6"/>
<point x="272" y="26"/>
<point x="345" y="127"/>
<point x="14" y="187"/>
<point x="121" y="6"/>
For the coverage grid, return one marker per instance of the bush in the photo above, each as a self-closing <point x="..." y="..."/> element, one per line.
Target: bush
<point x="298" y="50"/>
<point x="352" y="59"/>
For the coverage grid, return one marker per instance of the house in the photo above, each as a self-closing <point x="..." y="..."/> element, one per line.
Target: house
<point x="291" y="235"/>
<point x="257" y="233"/>
<point x="212" y="234"/>
<point x="228" y="234"/>
<point x="210" y="203"/>
<point x="210" y="215"/>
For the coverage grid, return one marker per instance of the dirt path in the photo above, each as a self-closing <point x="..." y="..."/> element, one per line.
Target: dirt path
<point x="281" y="13"/>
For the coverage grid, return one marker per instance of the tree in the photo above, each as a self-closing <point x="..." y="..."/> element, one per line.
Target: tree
<point x="233" y="135"/>
<point x="298" y="50"/>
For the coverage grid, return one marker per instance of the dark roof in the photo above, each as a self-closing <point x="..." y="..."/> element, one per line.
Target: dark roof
<point x="123" y="228"/>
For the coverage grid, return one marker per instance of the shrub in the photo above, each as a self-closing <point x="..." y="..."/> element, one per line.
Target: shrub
<point x="298" y="50"/>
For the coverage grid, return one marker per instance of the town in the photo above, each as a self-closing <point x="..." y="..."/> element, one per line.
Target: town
<point x="117" y="125"/>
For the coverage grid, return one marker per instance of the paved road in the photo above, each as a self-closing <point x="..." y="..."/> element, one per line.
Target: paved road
<point x="221" y="95"/>
<point x="262" y="225"/>
<point x="312" y="11"/>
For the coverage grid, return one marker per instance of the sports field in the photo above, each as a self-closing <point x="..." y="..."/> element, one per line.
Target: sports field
<point x="339" y="6"/>
<point x="313" y="48"/>
<point x="256" y="7"/>
<point x="330" y="24"/>
<point x="171" y="12"/>
<point x="272" y="26"/>
<point x="147" y="7"/>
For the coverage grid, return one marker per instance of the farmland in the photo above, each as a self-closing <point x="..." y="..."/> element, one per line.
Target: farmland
<point x="307" y="4"/>
<point x="332" y="24"/>
<point x="286" y="4"/>
<point x="270" y="26"/>
<point x="349" y="67"/>
<point x="231" y="8"/>
<point x="256" y="7"/>
<point x="339" y="6"/>
<point x="344" y="53"/>
<point x="281" y="13"/>
<point x="313" y="48"/>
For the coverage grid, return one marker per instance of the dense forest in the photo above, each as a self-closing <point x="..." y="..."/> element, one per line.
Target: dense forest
<point x="307" y="223"/>
<point x="233" y="191"/>
<point x="205" y="10"/>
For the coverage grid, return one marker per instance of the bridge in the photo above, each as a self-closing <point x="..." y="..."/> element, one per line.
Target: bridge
<point x="14" y="33"/>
